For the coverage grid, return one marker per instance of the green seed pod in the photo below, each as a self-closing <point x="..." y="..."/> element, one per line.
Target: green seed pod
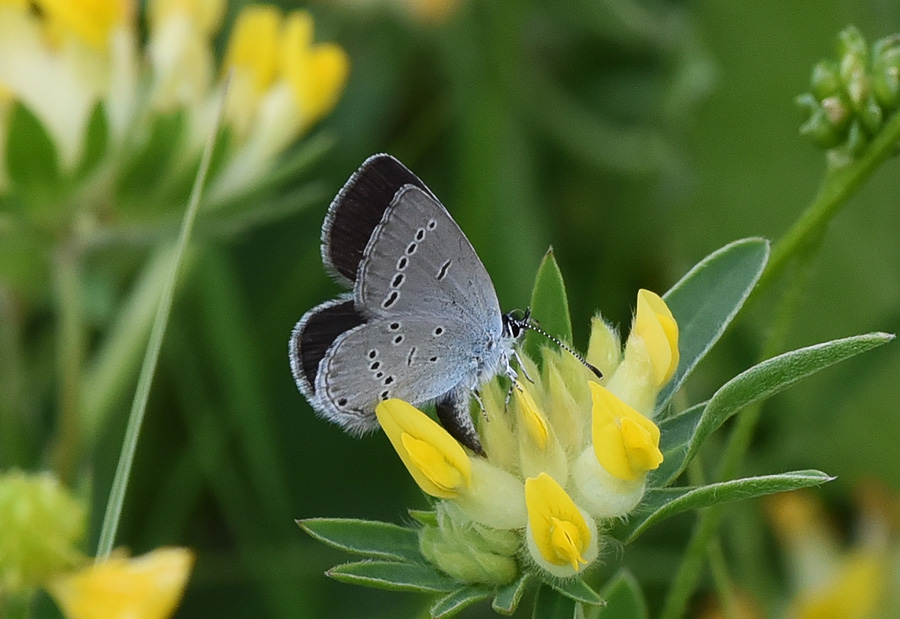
<point x="871" y="116"/>
<point x="856" y="139"/>
<point x="886" y="71"/>
<point x="854" y="60"/>
<point x="818" y="127"/>
<point x="825" y="80"/>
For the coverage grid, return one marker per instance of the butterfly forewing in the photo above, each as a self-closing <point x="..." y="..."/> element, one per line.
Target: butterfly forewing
<point x="357" y="210"/>
<point x="418" y="262"/>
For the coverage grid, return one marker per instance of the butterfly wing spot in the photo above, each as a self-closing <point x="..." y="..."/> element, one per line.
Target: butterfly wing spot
<point x="375" y="365"/>
<point x="398" y="339"/>
<point x="378" y="375"/>
<point x="388" y="380"/>
<point x="420" y="234"/>
<point x="390" y="299"/>
<point x="342" y="402"/>
<point x="433" y="359"/>
<point x="409" y="357"/>
<point x="373" y="353"/>
<point x="432" y="224"/>
<point x="444" y="268"/>
<point x="385" y="394"/>
<point x="438" y="331"/>
<point x="397" y="281"/>
<point x="394" y="326"/>
<point x="411" y="248"/>
<point x="402" y="263"/>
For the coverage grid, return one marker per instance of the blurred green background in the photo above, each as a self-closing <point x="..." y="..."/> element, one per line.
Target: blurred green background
<point x="635" y="137"/>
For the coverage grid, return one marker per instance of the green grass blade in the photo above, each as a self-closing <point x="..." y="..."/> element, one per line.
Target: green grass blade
<point x="142" y="393"/>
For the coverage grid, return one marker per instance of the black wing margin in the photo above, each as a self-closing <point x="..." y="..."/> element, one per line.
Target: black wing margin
<point x="356" y="211"/>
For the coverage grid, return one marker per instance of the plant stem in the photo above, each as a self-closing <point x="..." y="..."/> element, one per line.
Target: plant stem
<point x="836" y="188"/>
<point x="69" y="358"/>
<point x="139" y="406"/>
<point x="798" y="246"/>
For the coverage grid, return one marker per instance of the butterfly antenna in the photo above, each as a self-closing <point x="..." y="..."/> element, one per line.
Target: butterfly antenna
<point x="527" y="323"/>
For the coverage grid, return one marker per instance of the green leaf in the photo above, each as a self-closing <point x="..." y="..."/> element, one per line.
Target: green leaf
<point x="551" y="604"/>
<point x="579" y="591"/>
<point x="674" y="436"/>
<point x="762" y="381"/>
<point x="508" y="597"/>
<point x="146" y="169"/>
<point x="394" y="576"/>
<point x="706" y="300"/>
<point x="31" y="155"/>
<point x="380" y="540"/>
<point x="96" y="140"/>
<point x="624" y="598"/>
<point x="427" y="517"/>
<point x="549" y="306"/>
<point x="661" y="503"/>
<point x="455" y="601"/>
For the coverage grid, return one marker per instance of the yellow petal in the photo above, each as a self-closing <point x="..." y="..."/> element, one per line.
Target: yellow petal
<point x="316" y="73"/>
<point x="556" y="527"/>
<point x="625" y="442"/>
<point x="434" y="459"/>
<point x="253" y="45"/>
<point x="655" y="324"/>
<point x="532" y="418"/>
<point x="91" y="21"/>
<point x="147" y="587"/>
<point x="204" y="15"/>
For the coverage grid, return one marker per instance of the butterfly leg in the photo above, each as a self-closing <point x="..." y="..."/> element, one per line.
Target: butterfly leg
<point x="453" y="413"/>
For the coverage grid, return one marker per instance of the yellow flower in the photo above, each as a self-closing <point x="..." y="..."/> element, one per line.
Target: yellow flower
<point x="59" y="61"/>
<point x="655" y="325"/>
<point x="539" y="448"/>
<point x="147" y="587"/>
<point x="269" y="110"/>
<point x="180" y="51"/>
<point x="561" y="538"/>
<point x="651" y="354"/>
<point x="486" y="493"/>
<point x="435" y="460"/>
<point x="91" y="21"/>
<point x="625" y="442"/>
<point x="316" y="73"/>
<point x="40" y="527"/>
<point x="532" y="418"/>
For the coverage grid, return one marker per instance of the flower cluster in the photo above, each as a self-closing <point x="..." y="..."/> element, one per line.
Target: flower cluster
<point x="109" y="109"/>
<point x="42" y="525"/>
<point x="851" y="97"/>
<point x="565" y="453"/>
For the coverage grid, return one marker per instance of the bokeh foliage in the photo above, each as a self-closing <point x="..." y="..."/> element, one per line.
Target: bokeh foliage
<point x="634" y="137"/>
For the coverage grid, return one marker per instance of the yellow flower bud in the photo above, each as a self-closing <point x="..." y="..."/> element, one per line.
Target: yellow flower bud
<point x="316" y="73"/>
<point x="90" y="21"/>
<point x="253" y="46"/>
<point x="625" y="442"/>
<point x="561" y="538"/>
<point x="147" y="587"/>
<point x="654" y="323"/>
<point x="532" y="418"/>
<point x="434" y="459"/>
